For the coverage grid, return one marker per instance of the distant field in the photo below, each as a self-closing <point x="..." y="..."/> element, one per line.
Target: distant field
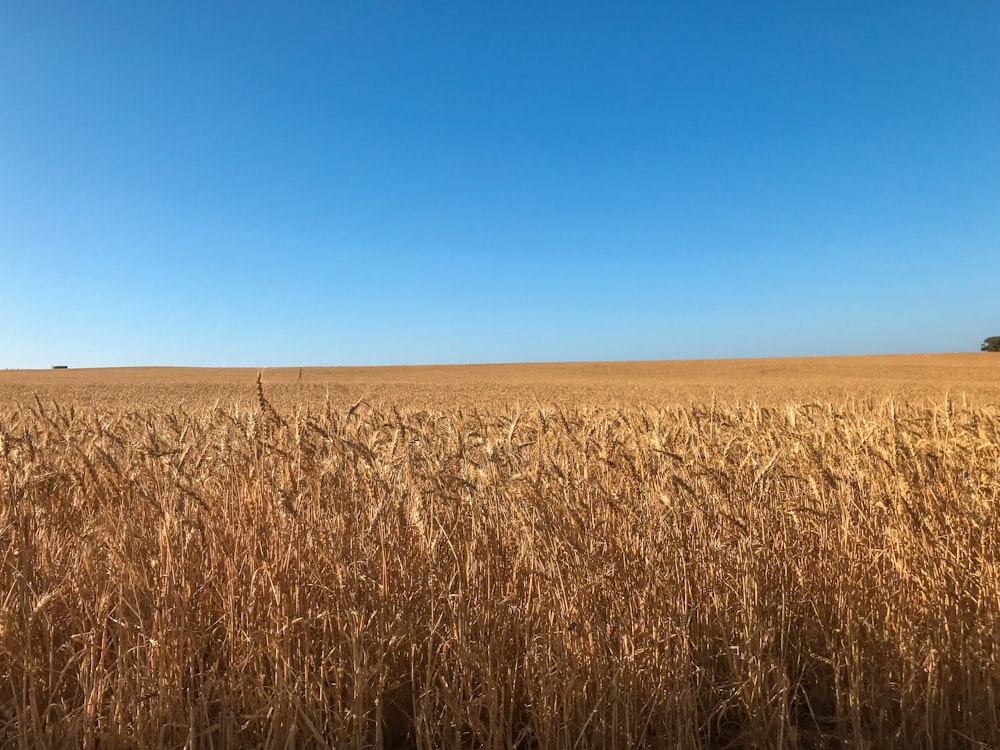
<point x="794" y="553"/>
<point x="766" y="381"/>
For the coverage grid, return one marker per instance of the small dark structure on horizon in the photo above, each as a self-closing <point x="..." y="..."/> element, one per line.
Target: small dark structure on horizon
<point x="60" y="367"/>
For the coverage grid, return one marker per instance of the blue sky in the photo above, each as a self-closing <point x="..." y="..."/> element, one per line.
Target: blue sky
<point x="264" y="184"/>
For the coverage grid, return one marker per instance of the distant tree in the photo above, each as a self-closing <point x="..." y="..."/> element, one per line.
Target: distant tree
<point x="992" y="344"/>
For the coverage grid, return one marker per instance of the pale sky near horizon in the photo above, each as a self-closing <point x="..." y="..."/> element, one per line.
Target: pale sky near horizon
<point x="267" y="184"/>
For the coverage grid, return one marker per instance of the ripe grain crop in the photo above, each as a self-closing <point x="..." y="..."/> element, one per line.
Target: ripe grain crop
<point x="716" y="573"/>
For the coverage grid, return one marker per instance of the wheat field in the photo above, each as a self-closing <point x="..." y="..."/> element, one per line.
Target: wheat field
<point x="769" y="553"/>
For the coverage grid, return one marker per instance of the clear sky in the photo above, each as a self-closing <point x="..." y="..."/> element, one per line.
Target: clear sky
<point x="324" y="183"/>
